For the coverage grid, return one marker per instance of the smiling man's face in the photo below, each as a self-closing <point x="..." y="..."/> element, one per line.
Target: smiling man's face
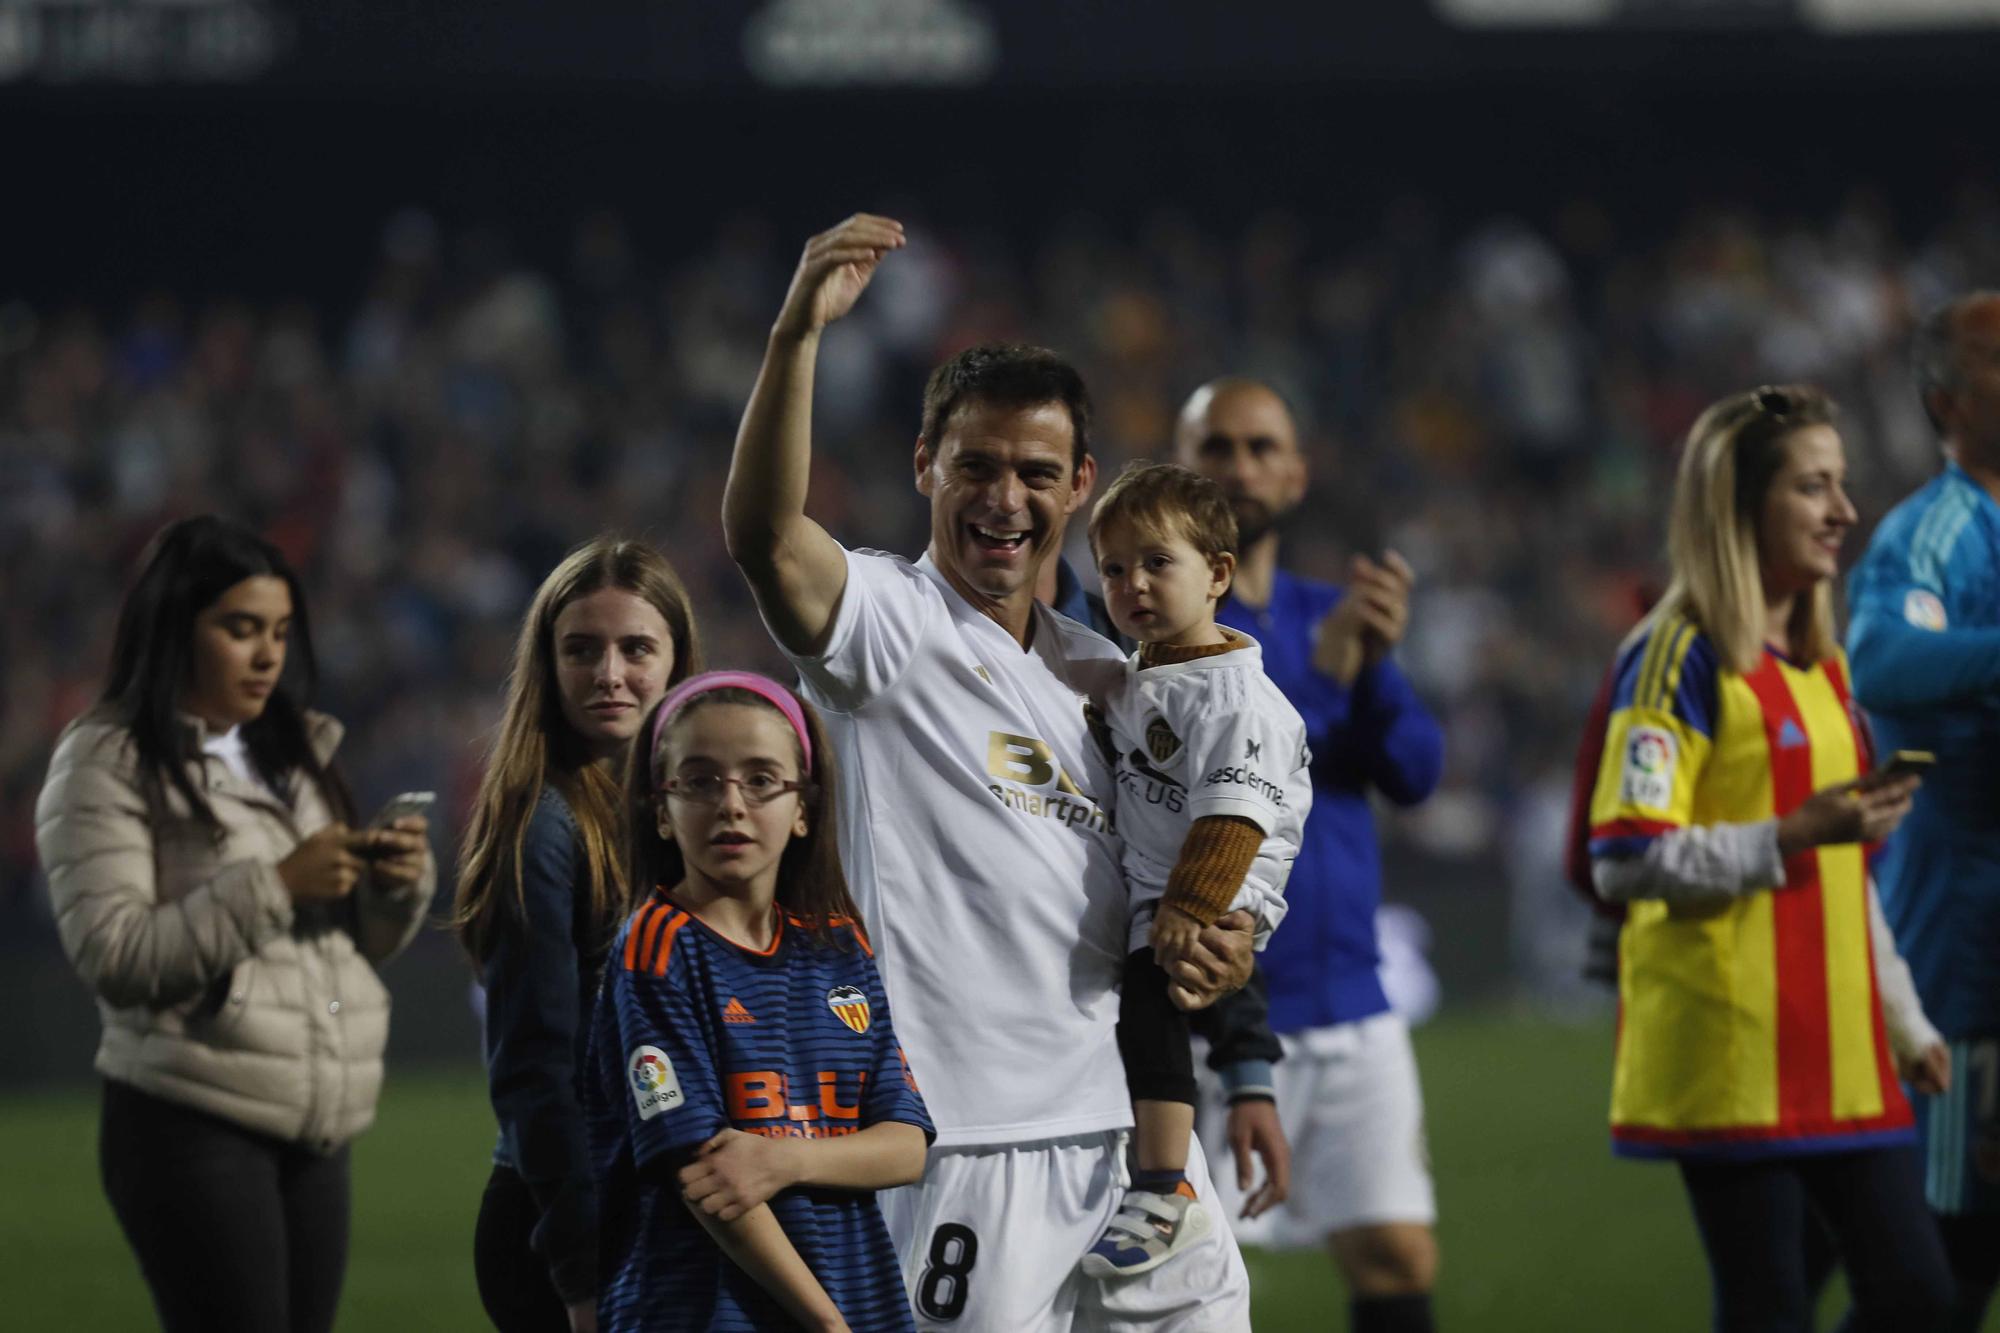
<point x="1002" y="489"/>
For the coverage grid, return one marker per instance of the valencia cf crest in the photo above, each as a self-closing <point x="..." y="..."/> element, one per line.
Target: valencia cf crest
<point x="850" y="1006"/>
<point x="1161" y="742"/>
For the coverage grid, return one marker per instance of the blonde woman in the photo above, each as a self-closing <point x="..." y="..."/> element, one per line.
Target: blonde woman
<point x="1766" y="1014"/>
<point x="541" y="892"/>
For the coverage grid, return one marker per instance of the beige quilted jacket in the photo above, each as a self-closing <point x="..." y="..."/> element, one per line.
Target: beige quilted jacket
<point x="215" y="991"/>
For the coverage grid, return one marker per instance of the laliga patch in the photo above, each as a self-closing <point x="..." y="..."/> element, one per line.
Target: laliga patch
<point x="850" y="1006"/>
<point x="654" y="1086"/>
<point x="1650" y="755"/>
<point x="1923" y="609"/>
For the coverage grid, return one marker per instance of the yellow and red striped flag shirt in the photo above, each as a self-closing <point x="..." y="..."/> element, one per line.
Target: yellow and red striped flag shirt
<point x="1751" y="1026"/>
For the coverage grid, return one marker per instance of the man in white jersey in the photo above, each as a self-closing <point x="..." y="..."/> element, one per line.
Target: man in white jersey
<point x="975" y="818"/>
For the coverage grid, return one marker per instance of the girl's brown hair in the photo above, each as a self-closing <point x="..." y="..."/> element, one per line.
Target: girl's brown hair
<point x="536" y="747"/>
<point x="811" y="884"/>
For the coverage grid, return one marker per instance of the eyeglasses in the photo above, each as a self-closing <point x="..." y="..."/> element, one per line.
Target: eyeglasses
<point x="757" y="788"/>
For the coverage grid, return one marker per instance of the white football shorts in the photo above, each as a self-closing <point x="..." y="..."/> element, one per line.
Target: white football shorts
<point x="1350" y="1102"/>
<point x="991" y="1238"/>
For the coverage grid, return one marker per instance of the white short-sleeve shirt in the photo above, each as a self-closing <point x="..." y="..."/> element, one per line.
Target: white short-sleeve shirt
<point x="1208" y="737"/>
<point x="978" y="839"/>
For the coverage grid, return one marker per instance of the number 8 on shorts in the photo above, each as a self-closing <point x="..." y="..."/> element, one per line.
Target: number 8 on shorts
<point x="944" y="1288"/>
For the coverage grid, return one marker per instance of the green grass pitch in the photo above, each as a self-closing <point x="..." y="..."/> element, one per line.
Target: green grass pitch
<point x="1541" y="1229"/>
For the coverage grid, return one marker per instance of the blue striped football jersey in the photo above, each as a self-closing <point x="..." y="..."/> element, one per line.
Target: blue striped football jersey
<point x="694" y="1034"/>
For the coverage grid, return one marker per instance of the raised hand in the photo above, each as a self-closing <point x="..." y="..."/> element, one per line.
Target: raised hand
<point x="833" y="272"/>
<point x="1384" y="590"/>
<point x="1370" y="618"/>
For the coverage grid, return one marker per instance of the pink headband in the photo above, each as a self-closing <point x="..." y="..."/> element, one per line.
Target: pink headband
<point x="761" y="686"/>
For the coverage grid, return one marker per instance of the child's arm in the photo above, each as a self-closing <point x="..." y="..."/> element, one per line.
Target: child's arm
<point x="1215" y="857"/>
<point x="734" y="1172"/>
<point x="756" y="1244"/>
<point x="880" y="1157"/>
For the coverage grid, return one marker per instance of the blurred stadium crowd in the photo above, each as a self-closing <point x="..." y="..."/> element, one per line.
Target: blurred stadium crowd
<point x="1498" y="401"/>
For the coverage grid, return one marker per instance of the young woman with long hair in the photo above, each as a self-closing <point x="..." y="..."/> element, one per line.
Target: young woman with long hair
<point x="1766" y="1016"/>
<point x="745" y="1088"/>
<point x="541" y="890"/>
<point x="211" y="888"/>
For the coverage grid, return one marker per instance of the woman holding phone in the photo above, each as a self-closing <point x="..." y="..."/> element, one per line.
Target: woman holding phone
<point x="210" y="888"/>
<point x="1765" y="1014"/>
<point x="541" y="893"/>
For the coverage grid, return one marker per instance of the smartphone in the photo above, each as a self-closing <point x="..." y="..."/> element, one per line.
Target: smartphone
<point x="399" y="807"/>
<point x="1901" y="764"/>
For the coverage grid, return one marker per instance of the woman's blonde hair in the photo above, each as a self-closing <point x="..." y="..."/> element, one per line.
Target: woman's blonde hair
<point x="1733" y="451"/>
<point x="535" y="746"/>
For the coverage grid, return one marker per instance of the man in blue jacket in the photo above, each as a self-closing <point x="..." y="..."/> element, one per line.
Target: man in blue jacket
<point x="1924" y="646"/>
<point x="1347" y="1090"/>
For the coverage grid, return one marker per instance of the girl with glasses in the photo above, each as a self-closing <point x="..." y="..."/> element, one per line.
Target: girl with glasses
<point x="745" y="1087"/>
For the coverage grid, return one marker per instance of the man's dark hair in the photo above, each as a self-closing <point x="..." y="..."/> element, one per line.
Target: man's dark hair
<point x="1007" y="375"/>
<point x="1934" y="351"/>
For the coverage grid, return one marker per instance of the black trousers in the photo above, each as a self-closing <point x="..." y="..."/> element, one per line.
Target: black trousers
<point x="1972" y="1243"/>
<point x="513" y="1280"/>
<point x="1754" y="1217"/>
<point x="234" y="1230"/>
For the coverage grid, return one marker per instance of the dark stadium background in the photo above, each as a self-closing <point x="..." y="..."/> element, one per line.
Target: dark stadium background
<point x="432" y="292"/>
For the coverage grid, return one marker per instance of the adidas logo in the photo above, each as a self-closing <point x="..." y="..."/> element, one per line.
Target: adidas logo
<point x="734" y="1012"/>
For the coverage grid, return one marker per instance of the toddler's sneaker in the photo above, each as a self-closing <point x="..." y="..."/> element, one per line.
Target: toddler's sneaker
<point x="1149" y="1229"/>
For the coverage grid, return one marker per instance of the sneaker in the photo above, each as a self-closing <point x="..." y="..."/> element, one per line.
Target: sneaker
<point x="1148" y="1230"/>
